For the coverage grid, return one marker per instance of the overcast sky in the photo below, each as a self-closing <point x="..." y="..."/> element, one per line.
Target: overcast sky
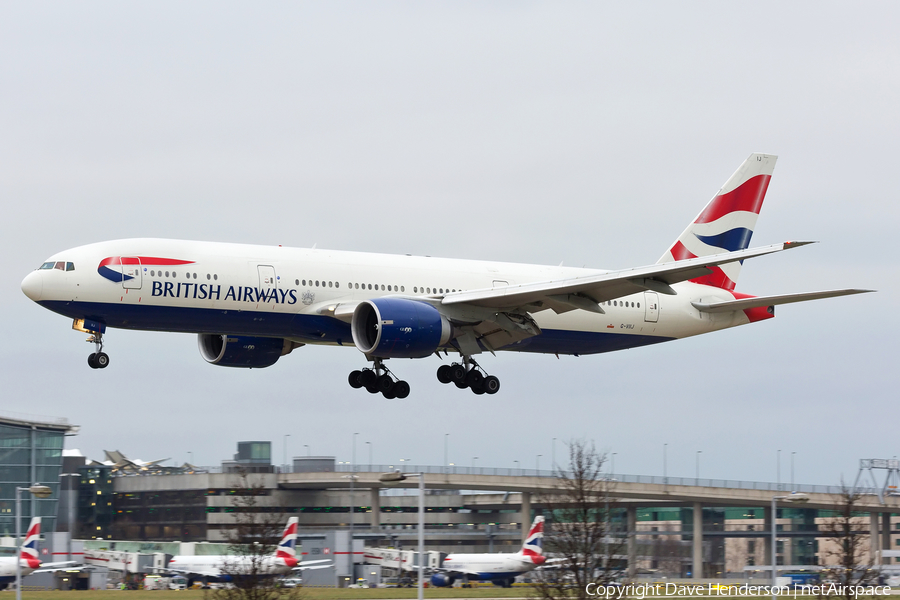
<point x="583" y="132"/>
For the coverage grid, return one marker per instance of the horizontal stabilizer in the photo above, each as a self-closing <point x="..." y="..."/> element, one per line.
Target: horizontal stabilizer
<point x="745" y="303"/>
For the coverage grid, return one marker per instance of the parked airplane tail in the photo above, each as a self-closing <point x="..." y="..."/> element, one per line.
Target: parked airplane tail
<point x="533" y="547"/>
<point x="727" y="222"/>
<point x="29" y="551"/>
<point x="287" y="547"/>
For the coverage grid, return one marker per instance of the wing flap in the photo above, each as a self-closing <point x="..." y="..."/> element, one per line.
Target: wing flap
<point x="745" y="303"/>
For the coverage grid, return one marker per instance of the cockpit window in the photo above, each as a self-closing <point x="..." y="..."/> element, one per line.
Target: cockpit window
<point x="70" y="266"/>
<point x="47" y="265"/>
<point x="60" y="265"/>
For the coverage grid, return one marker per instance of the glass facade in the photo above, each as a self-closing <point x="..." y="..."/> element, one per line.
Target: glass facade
<point x="29" y="453"/>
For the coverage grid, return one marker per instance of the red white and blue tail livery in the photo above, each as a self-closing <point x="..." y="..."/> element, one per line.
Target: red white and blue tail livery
<point x="251" y="305"/>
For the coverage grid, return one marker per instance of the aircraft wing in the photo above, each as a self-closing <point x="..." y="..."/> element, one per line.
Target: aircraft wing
<point x="312" y="565"/>
<point x="69" y="566"/>
<point x="745" y="303"/>
<point x="587" y="292"/>
<point x="211" y="572"/>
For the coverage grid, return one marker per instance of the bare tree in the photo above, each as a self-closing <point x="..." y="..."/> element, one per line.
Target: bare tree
<point x="580" y="531"/>
<point x="845" y="552"/>
<point x="252" y="543"/>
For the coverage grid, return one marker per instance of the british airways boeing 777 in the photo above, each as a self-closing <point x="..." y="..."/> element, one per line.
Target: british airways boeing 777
<point x="250" y="305"/>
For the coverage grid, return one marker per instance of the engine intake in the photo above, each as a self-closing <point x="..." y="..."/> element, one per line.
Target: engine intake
<point x="243" y="351"/>
<point x="398" y="328"/>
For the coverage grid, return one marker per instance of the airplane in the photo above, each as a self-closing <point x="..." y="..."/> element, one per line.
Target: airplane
<point x="28" y="556"/>
<point x="251" y="305"/>
<point x="228" y="567"/>
<point x="499" y="568"/>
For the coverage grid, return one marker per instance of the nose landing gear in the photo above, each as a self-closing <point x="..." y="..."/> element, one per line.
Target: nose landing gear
<point x="98" y="359"/>
<point x="469" y="374"/>
<point x="379" y="379"/>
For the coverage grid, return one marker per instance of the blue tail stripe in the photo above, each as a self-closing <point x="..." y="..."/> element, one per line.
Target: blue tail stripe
<point x="731" y="240"/>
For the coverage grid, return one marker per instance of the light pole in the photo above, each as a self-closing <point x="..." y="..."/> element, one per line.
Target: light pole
<point x="285" y="463"/>
<point x="665" y="459"/>
<point x="778" y="470"/>
<point x="474" y="458"/>
<point x="517" y="467"/>
<point x="191" y="455"/>
<point x="792" y="497"/>
<point x="553" y="458"/>
<point x="792" y="470"/>
<point x="352" y="507"/>
<point x="446" y="459"/>
<point x="395" y="477"/>
<point x="537" y="464"/>
<point x="38" y="491"/>
<point x="699" y="452"/>
<point x="613" y="465"/>
<point x="307" y="450"/>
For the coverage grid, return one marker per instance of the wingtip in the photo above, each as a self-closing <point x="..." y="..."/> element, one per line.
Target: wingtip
<point x="788" y="245"/>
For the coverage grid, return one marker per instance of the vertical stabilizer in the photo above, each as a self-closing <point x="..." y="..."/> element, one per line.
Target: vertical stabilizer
<point x="727" y="222"/>
<point x="28" y="552"/>
<point x="533" y="547"/>
<point x="287" y="547"/>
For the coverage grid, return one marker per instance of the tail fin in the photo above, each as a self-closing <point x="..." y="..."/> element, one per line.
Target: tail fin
<point x="533" y="547"/>
<point x="28" y="552"/>
<point x="727" y="222"/>
<point x="287" y="547"/>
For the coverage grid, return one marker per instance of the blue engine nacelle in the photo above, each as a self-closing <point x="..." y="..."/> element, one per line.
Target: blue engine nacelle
<point x="398" y="328"/>
<point x="442" y="580"/>
<point x="242" y="351"/>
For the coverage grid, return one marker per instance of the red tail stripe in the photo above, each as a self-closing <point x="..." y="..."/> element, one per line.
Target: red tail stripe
<point x="747" y="197"/>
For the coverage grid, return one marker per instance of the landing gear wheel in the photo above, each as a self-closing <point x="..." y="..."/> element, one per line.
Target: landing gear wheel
<point x="461" y="384"/>
<point x="389" y="394"/>
<point x="92" y="361"/>
<point x="474" y="379"/>
<point x="385" y="384"/>
<point x="372" y="389"/>
<point x="478" y="389"/>
<point x="458" y="374"/>
<point x="353" y="379"/>
<point x="491" y="384"/>
<point x="367" y="377"/>
<point x="401" y="389"/>
<point x="102" y="360"/>
<point x="443" y="374"/>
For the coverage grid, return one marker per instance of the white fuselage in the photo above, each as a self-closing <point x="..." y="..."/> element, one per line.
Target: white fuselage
<point x="291" y="293"/>
<point x="217" y="566"/>
<point x="489" y="566"/>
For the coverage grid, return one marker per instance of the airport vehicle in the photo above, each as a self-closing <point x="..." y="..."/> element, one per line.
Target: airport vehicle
<point x="225" y="568"/>
<point x="499" y="568"/>
<point x="251" y="305"/>
<point x="28" y="556"/>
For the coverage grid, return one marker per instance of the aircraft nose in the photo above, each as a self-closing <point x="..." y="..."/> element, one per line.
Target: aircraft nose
<point x="33" y="285"/>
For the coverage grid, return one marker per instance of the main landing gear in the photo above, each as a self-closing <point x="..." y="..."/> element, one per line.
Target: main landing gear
<point x="379" y="379"/>
<point x="98" y="359"/>
<point x="468" y="374"/>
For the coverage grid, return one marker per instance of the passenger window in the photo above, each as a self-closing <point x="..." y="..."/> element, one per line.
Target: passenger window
<point x="402" y="288"/>
<point x="382" y="287"/>
<point x="356" y="286"/>
<point x="428" y="290"/>
<point x="152" y="273"/>
<point x="215" y="277"/>
<point x="329" y="284"/>
<point x="317" y="283"/>
<point x="195" y="276"/>
<point x="370" y="286"/>
<point x="70" y="266"/>
<point x="167" y="273"/>
<point x="389" y="288"/>
<point x="337" y="284"/>
<point x="415" y="289"/>
<point x="639" y="305"/>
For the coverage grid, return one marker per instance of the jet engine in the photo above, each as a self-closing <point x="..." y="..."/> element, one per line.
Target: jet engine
<point x="398" y="328"/>
<point x="243" y="351"/>
<point x="442" y="580"/>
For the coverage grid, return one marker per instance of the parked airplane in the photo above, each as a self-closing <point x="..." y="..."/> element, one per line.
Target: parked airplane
<point x="121" y="464"/>
<point x="250" y="305"/>
<point x="28" y="556"/>
<point x="227" y="567"/>
<point x="499" y="568"/>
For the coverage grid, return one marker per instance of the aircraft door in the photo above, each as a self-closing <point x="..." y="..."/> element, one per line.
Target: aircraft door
<point x="131" y="272"/>
<point x="651" y="307"/>
<point x="268" y="281"/>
